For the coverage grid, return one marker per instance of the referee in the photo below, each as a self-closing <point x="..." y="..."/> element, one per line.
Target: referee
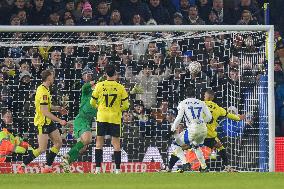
<point x="43" y="121"/>
<point x="110" y="98"/>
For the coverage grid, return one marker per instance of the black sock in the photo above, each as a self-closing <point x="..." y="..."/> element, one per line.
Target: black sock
<point x="173" y="161"/>
<point x="29" y="159"/>
<point x="224" y="157"/>
<point x="117" y="159"/>
<point x="50" y="158"/>
<point x="98" y="157"/>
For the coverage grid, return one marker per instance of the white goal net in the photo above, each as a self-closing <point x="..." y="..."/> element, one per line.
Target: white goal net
<point x="153" y="65"/>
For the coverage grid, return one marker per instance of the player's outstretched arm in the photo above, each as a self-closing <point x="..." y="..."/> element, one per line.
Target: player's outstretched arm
<point x="60" y="109"/>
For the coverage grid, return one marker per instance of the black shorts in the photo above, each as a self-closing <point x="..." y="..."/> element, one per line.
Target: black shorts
<point x="210" y="142"/>
<point x="111" y="129"/>
<point x="46" y="129"/>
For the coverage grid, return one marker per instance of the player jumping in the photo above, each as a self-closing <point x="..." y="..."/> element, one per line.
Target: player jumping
<point x="82" y="126"/>
<point x="211" y="140"/>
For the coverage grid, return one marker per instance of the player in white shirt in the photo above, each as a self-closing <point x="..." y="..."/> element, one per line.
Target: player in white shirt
<point x="196" y="114"/>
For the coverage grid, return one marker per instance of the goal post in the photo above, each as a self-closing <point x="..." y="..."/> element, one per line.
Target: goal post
<point x="268" y="161"/>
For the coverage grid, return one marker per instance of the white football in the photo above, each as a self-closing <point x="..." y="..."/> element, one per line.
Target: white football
<point x="194" y="67"/>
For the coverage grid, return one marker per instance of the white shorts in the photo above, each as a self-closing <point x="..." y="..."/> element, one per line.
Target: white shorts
<point x="197" y="133"/>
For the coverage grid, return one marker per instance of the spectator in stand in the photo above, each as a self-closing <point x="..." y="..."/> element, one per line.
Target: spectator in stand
<point x="115" y="18"/>
<point x="204" y="8"/>
<point x="22" y="14"/>
<point x="278" y="73"/>
<point x="67" y="15"/>
<point x="250" y="6"/>
<point x="22" y="91"/>
<point x="54" y="19"/>
<point x="213" y="19"/>
<point x="162" y="131"/>
<point x="184" y="7"/>
<point x="223" y="15"/>
<point x="87" y="15"/>
<point x="159" y="114"/>
<point x="159" y="13"/>
<point x="39" y="13"/>
<point x="148" y="83"/>
<point x="146" y="125"/>
<point x="69" y="7"/>
<point x="137" y="20"/>
<point x="69" y="22"/>
<point x="18" y="5"/>
<point x="5" y="9"/>
<point x="99" y="66"/>
<point x="36" y="67"/>
<point x="56" y="5"/>
<point x="102" y="12"/>
<point x="5" y="93"/>
<point x="193" y="17"/>
<point x="15" y="20"/>
<point x="132" y="7"/>
<point x="173" y="58"/>
<point x="149" y="55"/>
<point x="178" y="19"/>
<point x="247" y="19"/>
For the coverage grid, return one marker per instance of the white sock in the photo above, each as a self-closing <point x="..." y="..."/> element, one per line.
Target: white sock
<point x="200" y="157"/>
<point x="180" y="154"/>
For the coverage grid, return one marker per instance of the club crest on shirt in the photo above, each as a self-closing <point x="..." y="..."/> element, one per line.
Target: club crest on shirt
<point x="44" y="97"/>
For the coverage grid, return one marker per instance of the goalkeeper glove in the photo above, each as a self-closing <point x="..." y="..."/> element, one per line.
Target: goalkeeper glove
<point x="137" y="89"/>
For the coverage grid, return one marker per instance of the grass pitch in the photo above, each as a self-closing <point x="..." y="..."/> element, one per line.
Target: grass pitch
<point x="144" y="181"/>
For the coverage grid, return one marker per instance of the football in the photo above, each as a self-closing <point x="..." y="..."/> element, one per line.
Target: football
<point x="194" y="67"/>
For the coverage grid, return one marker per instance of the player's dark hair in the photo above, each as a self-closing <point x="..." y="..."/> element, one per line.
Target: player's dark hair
<point x="110" y="70"/>
<point x="190" y="93"/>
<point x="45" y="74"/>
<point x="210" y="92"/>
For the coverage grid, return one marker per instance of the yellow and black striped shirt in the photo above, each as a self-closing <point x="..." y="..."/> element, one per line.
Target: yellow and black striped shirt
<point x="42" y="97"/>
<point x="110" y="98"/>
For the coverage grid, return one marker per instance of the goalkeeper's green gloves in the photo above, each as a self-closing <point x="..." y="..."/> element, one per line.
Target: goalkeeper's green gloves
<point x="137" y="89"/>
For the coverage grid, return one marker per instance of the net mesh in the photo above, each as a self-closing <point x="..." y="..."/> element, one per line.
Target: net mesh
<point x="233" y="64"/>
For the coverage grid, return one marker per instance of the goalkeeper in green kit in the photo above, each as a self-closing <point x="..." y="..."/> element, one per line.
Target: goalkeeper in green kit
<point x="82" y="126"/>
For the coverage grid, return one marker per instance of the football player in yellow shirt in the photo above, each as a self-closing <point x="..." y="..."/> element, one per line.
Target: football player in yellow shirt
<point x="211" y="139"/>
<point x="43" y="122"/>
<point x="110" y="98"/>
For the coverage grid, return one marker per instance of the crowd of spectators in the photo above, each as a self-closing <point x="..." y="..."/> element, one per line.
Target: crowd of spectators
<point x="156" y="73"/>
<point x="136" y="12"/>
